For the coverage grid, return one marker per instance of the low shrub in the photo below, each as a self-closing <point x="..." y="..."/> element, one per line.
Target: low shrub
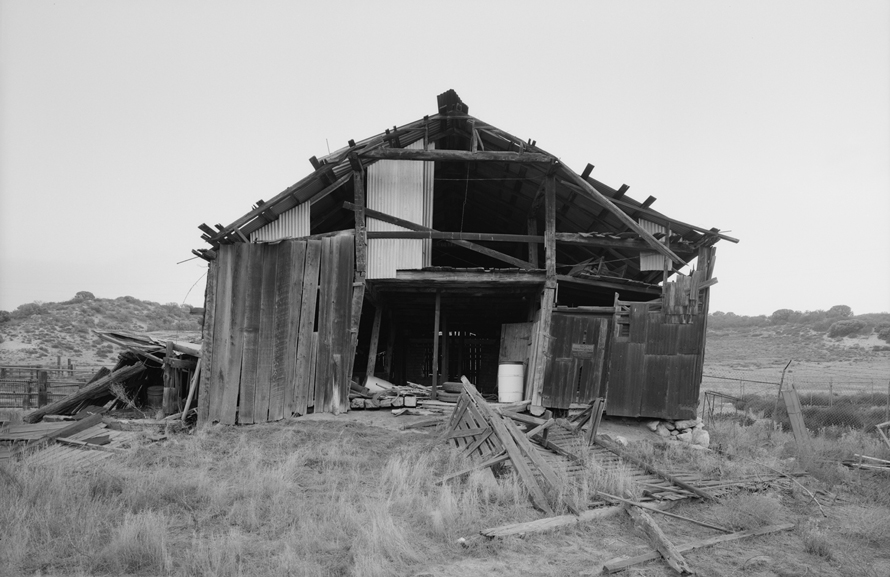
<point x="846" y="328"/>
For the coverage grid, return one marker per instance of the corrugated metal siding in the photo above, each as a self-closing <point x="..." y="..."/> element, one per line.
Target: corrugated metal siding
<point x="651" y="260"/>
<point x="655" y="370"/>
<point x="293" y="223"/>
<point x="404" y="189"/>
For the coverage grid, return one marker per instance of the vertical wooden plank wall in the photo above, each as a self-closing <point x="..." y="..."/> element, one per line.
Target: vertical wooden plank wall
<point x="253" y="296"/>
<point x="264" y="358"/>
<point x="305" y="361"/>
<point x="221" y="331"/>
<point x="207" y="341"/>
<point x="266" y="346"/>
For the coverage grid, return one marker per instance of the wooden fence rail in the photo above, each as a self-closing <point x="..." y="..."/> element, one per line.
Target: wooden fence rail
<point x="29" y="387"/>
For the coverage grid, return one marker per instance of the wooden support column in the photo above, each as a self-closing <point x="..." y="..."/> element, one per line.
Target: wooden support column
<point x="169" y="405"/>
<point x="533" y="246"/>
<point x="542" y="355"/>
<point x="42" y="393"/>
<point x="461" y="344"/>
<point x="361" y="251"/>
<point x="707" y="255"/>
<point x="445" y="349"/>
<point x="390" y="345"/>
<point x="375" y="337"/>
<point x="435" y="371"/>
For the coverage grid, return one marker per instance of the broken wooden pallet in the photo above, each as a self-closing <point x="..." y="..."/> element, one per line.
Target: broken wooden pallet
<point x="485" y="435"/>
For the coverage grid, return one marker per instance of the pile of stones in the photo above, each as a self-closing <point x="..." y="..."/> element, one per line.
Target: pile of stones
<point x="690" y="431"/>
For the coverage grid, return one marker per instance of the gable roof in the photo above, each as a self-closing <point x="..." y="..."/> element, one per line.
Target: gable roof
<point x="497" y="180"/>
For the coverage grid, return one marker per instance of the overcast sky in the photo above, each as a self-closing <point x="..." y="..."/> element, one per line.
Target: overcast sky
<point x="124" y="125"/>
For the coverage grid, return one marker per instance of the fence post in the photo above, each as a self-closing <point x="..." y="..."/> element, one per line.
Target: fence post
<point x="26" y="400"/>
<point x="830" y="392"/>
<point x="887" y="406"/>
<point x="42" y="378"/>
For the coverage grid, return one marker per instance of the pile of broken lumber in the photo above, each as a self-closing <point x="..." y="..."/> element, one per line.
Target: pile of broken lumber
<point x="98" y="388"/>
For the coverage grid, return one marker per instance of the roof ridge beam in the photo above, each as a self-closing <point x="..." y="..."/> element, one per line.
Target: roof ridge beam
<point x="456" y="155"/>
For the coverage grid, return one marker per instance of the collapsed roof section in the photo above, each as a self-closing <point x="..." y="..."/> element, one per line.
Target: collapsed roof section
<point x="486" y="206"/>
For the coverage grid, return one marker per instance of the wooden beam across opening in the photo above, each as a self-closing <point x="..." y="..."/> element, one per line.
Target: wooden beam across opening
<point x="382" y="216"/>
<point x="604" y="201"/>
<point x="456" y="155"/>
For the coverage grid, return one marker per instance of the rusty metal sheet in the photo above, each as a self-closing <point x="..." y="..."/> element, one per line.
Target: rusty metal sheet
<point x="685" y="403"/>
<point x="639" y="321"/>
<point x="661" y="337"/>
<point x="689" y="336"/>
<point x="626" y="372"/>
<point x="658" y="378"/>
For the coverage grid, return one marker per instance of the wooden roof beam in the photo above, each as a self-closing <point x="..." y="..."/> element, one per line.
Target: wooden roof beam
<point x="659" y="218"/>
<point x="462" y="243"/>
<point x="455" y="155"/>
<point x="603" y="200"/>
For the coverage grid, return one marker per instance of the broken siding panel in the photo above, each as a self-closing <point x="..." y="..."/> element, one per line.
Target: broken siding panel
<point x="293" y="223"/>
<point x="403" y="189"/>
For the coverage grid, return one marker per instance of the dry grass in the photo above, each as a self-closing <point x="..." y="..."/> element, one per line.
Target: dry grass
<point x="336" y="498"/>
<point x="745" y="511"/>
<point x="319" y="499"/>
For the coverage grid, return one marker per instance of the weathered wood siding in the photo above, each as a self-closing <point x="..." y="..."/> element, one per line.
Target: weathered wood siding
<point x="270" y="359"/>
<point x="577" y="369"/>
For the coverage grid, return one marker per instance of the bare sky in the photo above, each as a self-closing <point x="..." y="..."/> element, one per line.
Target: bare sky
<point x="124" y="125"/>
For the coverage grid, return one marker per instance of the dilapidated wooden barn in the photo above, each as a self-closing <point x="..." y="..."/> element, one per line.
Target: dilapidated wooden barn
<point x="448" y="247"/>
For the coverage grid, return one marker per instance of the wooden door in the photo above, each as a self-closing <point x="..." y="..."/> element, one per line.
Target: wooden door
<point x="576" y="370"/>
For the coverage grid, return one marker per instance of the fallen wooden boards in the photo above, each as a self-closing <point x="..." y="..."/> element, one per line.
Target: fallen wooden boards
<point x="81" y="457"/>
<point x="620" y="564"/>
<point x="659" y="540"/>
<point x="266" y="362"/>
<point x="85" y="393"/>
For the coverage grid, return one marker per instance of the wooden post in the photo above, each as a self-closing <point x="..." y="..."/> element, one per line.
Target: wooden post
<point x="542" y="355"/>
<point x="446" y="372"/>
<point x="26" y="400"/>
<point x="533" y="246"/>
<point x="435" y="376"/>
<point x="461" y="343"/>
<point x="375" y="336"/>
<point x="169" y="406"/>
<point x="390" y="345"/>
<point x="42" y="393"/>
<point x="361" y="248"/>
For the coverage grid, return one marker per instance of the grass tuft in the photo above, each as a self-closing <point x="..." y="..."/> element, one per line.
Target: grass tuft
<point x="744" y="511"/>
<point x="815" y="540"/>
<point x="140" y="544"/>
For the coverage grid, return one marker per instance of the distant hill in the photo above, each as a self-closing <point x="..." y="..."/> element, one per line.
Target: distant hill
<point x="818" y="336"/>
<point x="38" y="332"/>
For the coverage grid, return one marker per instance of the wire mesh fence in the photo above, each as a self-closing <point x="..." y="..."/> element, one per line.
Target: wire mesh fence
<point x="835" y="395"/>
